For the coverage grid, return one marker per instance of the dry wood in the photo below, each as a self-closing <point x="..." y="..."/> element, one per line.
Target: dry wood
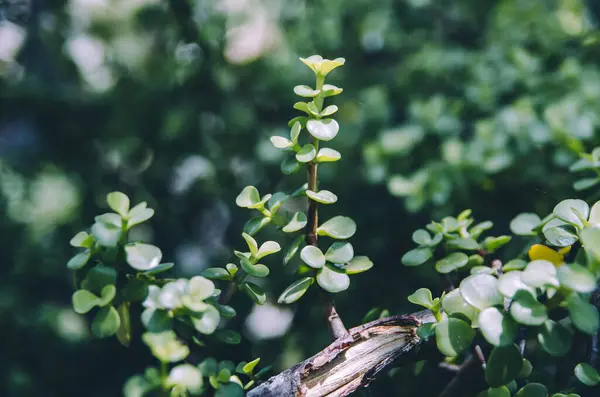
<point x="351" y="362"/>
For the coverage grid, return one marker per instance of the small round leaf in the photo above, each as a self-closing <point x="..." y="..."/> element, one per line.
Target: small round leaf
<point x="248" y="196"/>
<point x="422" y="297"/>
<point x="452" y="262"/>
<point x="118" y="202"/>
<point x="339" y="227"/>
<point x="358" y="264"/>
<point x="533" y="390"/>
<point x="332" y="281"/>
<point x="555" y="338"/>
<point x="142" y="256"/>
<point x="299" y="220"/>
<point x="323" y="129"/>
<point x="106" y="322"/>
<point x="583" y="314"/>
<point x="340" y="252"/>
<point x="295" y="290"/>
<point x="453" y="336"/>
<point x="481" y="291"/>
<point x="587" y="374"/>
<point x="497" y="328"/>
<point x="540" y="273"/>
<point x="503" y="366"/>
<point x="417" y="256"/>
<point x="326" y="155"/>
<point x="576" y="278"/>
<point x="526" y="309"/>
<point x="306" y="154"/>
<point x="322" y="196"/>
<point x="524" y="224"/>
<point x="312" y="256"/>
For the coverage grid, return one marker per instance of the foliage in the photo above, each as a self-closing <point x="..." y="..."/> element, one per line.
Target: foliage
<point x="471" y="104"/>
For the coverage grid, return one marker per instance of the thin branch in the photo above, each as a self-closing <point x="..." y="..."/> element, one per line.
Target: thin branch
<point x="479" y="354"/>
<point x="455" y="382"/>
<point x="336" y="325"/>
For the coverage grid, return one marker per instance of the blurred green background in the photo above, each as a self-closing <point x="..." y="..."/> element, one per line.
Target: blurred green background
<point x="447" y="105"/>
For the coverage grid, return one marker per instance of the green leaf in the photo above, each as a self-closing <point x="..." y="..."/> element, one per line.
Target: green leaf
<point x="594" y="219"/>
<point x="583" y="314"/>
<point x="110" y="219"/>
<point x="306" y="154"/>
<point x="510" y="283"/>
<point x="326" y="155"/>
<point x="228" y="336"/>
<point x="187" y="377"/>
<point x="533" y="390"/>
<point x="138" y="214"/>
<point x="417" y="256"/>
<point x="135" y="290"/>
<point x="216" y="273"/>
<point x="84" y="301"/>
<point x="142" y="256"/>
<point x="79" y="260"/>
<point x="118" y="202"/>
<point x="576" y="278"/>
<point x="280" y="142"/>
<point x="322" y="196"/>
<point x="297" y="128"/>
<point x="421" y="237"/>
<point x="590" y="238"/>
<point x="481" y="291"/>
<point x="452" y="262"/>
<point x="466" y="243"/>
<point x="523" y="224"/>
<point x="156" y="320"/>
<point x="107" y="295"/>
<point x="276" y="201"/>
<point x="323" y="129"/>
<point x="252" y="244"/>
<point x="328" y="65"/>
<point x="340" y="252"/>
<point x="329" y="110"/>
<point x="301" y="106"/>
<point x="571" y="211"/>
<point x="587" y="374"/>
<point x="514" y="264"/>
<point x="165" y="346"/>
<point x="312" y="256"/>
<point x="497" y="328"/>
<point x="82" y="240"/>
<point x="305" y="91"/>
<point x="453" y="303"/>
<point x="163" y="267"/>
<point x="254" y="225"/>
<point x="249" y="367"/>
<point x="249" y="196"/>
<point x="540" y="273"/>
<point x="124" y="331"/>
<point x="426" y="331"/>
<point x="339" y="227"/>
<point x="482" y="269"/>
<point x="554" y="338"/>
<point x="453" y="336"/>
<point x="526" y="309"/>
<point x="207" y="322"/>
<point x="231" y="268"/>
<point x="498" y="392"/>
<point x="331" y="90"/>
<point x="298" y="222"/>
<point x="358" y="264"/>
<point x="478" y="229"/>
<point x="492" y="244"/>
<point x="332" y="280"/>
<point x="106" y="234"/>
<point x="254" y="292"/>
<point x="268" y="248"/>
<point x="503" y="366"/>
<point x="526" y="369"/>
<point x="295" y="290"/>
<point x="230" y="390"/>
<point x="422" y="297"/>
<point x="98" y="277"/>
<point x="106" y="322"/>
<point x="585" y="183"/>
<point x="291" y="252"/>
<point x="559" y="233"/>
<point x="257" y="270"/>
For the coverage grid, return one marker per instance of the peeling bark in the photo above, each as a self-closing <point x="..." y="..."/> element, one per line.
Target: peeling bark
<point x="350" y="362"/>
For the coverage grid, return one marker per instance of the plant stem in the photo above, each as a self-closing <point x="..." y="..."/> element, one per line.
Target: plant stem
<point x="336" y="325"/>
